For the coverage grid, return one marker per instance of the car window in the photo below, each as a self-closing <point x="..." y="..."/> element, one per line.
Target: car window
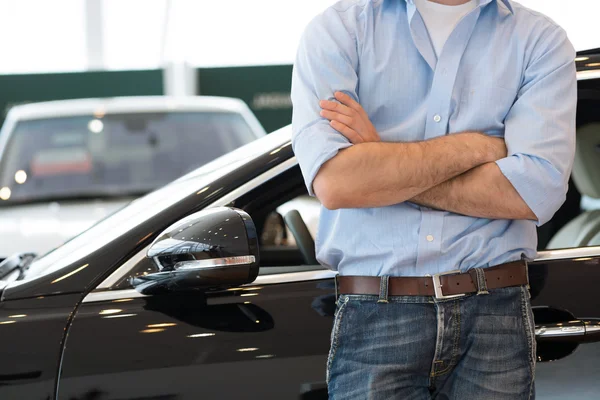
<point x="116" y="155"/>
<point x="277" y="233"/>
<point x="279" y="247"/>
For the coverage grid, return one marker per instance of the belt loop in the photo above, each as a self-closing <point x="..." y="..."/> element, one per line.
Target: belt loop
<point x="383" y="289"/>
<point x="478" y="276"/>
<point x="526" y="262"/>
<point x="337" y="287"/>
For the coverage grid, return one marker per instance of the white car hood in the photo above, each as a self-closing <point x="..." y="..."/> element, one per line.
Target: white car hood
<point x="41" y="227"/>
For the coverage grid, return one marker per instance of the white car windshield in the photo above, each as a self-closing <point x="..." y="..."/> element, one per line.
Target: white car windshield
<point x="116" y="155"/>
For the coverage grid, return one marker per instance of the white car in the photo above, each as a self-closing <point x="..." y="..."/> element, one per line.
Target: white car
<point x="66" y="164"/>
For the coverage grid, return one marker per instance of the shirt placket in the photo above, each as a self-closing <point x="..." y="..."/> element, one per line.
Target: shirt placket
<point x="445" y="70"/>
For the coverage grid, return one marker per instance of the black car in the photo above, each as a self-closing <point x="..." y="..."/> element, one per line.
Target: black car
<point x="208" y="288"/>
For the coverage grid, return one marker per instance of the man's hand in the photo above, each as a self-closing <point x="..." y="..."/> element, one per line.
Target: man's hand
<point x="349" y="118"/>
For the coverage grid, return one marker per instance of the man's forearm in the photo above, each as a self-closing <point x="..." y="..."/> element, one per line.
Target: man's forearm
<point x="482" y="192"/>
<point x="378" y="174"/>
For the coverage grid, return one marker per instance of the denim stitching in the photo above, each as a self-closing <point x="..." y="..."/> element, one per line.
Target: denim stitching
<point x="335" y="333"/>
<point x="527" y="315"/>
<point x="455" y="345"/>
<point x="439" y="343"/>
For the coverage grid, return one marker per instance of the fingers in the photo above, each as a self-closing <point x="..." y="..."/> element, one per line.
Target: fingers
<point x="349" y="102"/>
<point x="349" y="133"/>
<point x="337" y="107"/>
<point x="344" y="119"/>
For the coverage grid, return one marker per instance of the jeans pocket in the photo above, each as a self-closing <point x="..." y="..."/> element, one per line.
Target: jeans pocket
<point x="335" y="332"/>
<point x="529" y="326"/>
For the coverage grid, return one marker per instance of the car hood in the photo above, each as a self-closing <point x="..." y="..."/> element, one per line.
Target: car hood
<point x="41" y="227"/>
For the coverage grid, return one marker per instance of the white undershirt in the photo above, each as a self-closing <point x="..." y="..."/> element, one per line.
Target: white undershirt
<point x="440" y="19"/>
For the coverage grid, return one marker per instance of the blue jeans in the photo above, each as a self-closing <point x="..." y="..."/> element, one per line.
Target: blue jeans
<point x="477" y="347"/>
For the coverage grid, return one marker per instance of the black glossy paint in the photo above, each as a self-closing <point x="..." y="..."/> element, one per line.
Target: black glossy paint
<point x="267" y="342"/>
<point x="215" y="233"/>
<point x="31" y="333"/>
<point x="219" y="233"/>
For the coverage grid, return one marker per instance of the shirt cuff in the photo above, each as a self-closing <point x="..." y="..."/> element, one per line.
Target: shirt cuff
<point x="314" y="146"/>
<point x="538" y="183"/>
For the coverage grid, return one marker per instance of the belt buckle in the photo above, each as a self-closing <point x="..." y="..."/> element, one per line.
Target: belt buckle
<point x="437" y="285"/>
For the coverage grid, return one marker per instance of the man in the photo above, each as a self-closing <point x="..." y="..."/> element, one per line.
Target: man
<point x="437" y="134"/>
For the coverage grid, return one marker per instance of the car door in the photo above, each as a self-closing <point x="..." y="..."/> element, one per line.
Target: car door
<point x="269" y="339"/>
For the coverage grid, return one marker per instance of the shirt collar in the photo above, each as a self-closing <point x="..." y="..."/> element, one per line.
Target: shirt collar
<point x="482" y="3"/>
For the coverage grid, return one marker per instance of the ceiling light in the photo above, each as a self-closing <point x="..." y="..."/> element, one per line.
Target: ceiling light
<point x="151" y="330"/>
<point x="110" y="311"/>
<point x="20" y="177"/>
<point x="197" y="335"/>
<point x="161" y="325"/>
<point x="246" y="349"/>
<point x="95" y="126"/>
<point x="120" y="316"/>
<point x="5" y="193"/>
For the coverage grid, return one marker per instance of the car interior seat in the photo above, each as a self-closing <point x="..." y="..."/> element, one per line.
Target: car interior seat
<point x="304" y="239"/>
<point x="584" y="230"/>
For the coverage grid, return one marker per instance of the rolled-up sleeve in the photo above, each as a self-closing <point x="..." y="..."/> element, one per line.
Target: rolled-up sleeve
<point x="540" y="127"/>
<point x="326" y="62"/>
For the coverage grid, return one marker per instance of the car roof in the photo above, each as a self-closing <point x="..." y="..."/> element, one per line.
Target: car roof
<point x="119" y="105"/>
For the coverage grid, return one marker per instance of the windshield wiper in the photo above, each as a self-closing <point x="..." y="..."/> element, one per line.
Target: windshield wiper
<point x="19" y="261"/>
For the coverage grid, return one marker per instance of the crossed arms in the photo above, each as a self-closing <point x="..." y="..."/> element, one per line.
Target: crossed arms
<point x="454" y="173"/>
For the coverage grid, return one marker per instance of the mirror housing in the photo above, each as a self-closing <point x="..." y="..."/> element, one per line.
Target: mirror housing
<point x="211" y="249"/>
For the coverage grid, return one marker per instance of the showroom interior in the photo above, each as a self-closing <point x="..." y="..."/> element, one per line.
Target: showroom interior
<point x="127" y="126"/>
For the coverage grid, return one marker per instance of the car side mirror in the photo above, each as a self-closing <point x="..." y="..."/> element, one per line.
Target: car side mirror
<point x="211" y="249"/>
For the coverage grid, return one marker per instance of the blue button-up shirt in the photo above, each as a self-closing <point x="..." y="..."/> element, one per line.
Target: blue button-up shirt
<point x="505" y="70"/>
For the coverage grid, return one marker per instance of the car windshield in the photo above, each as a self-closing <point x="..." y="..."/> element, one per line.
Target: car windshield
<point x="116" y="155"/>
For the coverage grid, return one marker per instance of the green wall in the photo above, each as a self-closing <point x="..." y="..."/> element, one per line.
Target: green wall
<point x="266" y="89"/>
<point x="18" y="89"/>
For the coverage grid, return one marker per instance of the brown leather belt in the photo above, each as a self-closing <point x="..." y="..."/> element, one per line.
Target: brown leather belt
<point x="441" y="286"/>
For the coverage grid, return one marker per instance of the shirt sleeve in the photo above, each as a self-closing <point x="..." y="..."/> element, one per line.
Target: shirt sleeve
<point x="540" y="127"/>
<point x="326" y="62"/>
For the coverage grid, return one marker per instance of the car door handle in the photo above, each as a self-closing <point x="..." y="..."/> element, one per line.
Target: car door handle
<point x="587" y="330"/>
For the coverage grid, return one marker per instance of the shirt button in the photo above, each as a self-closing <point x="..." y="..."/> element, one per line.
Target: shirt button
<point x="437" y="118"/>
<point x="429" y="238"/>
